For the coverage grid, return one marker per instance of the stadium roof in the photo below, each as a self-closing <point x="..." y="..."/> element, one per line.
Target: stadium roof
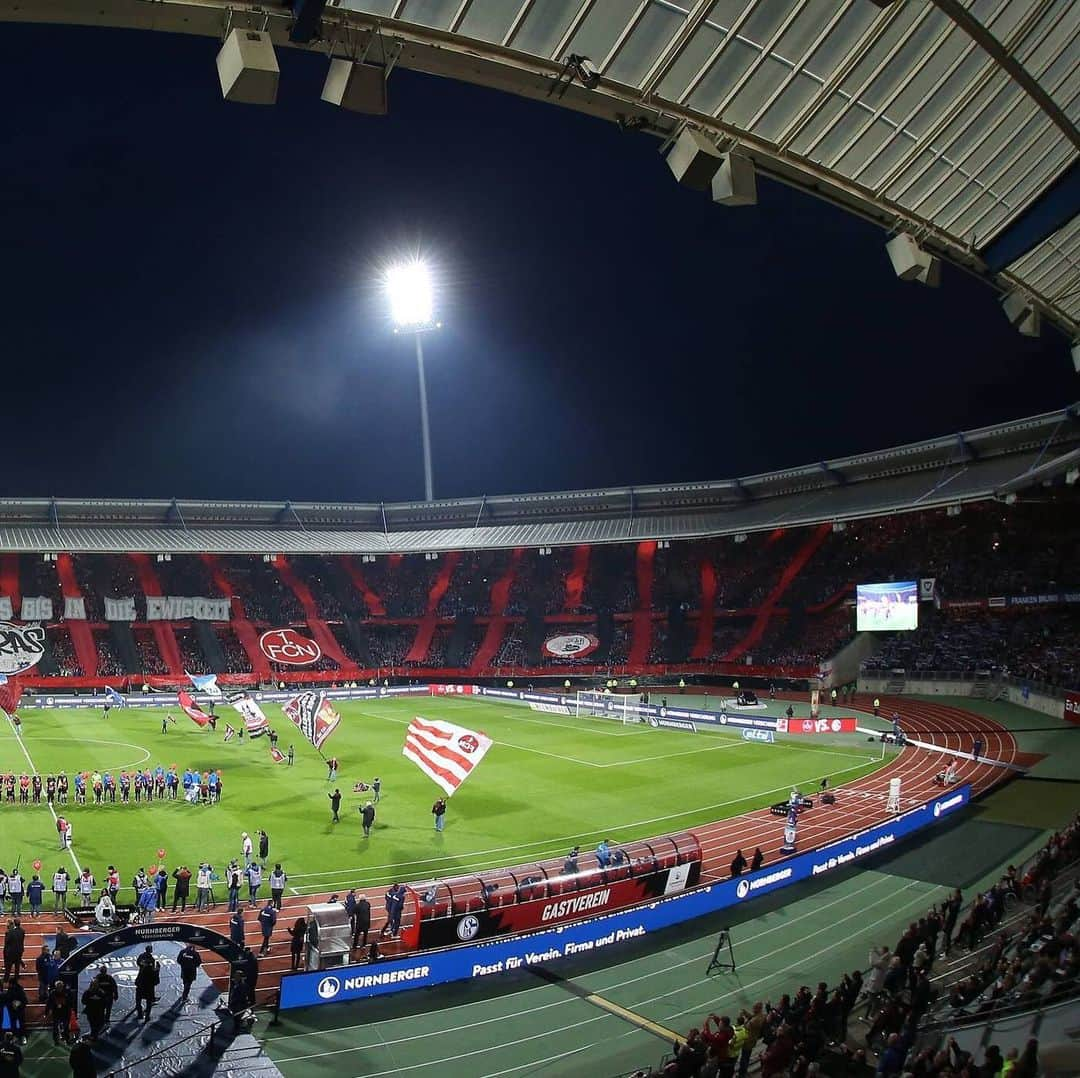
<point x="954" y="120"/>
<point x="970" y="466"/>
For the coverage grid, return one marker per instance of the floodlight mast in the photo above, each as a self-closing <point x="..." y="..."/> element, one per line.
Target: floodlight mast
<point x="412" y="309"/>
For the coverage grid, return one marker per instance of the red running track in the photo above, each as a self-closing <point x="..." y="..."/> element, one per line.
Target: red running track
<point x="859" y="805"/>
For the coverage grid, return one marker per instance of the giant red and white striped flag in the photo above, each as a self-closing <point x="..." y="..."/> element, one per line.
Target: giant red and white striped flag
<point x="446" y="753"/>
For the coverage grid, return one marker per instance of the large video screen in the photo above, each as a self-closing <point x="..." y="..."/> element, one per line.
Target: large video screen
<point x="881" y="608"/>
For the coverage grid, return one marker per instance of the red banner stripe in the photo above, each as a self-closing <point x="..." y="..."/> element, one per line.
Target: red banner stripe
<point x="428" y="728"/>
<point x="443" y="751"/>
<point x="426" y="764"/>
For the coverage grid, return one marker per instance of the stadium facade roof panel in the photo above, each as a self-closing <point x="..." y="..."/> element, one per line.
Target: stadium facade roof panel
<point x="969" y="466"/>
<point x="954" y="120"/>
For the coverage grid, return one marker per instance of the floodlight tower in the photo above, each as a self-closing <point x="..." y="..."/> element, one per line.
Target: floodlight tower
<point x="412" y="307"/>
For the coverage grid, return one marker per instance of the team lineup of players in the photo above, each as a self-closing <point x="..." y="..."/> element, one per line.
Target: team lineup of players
<point x="103" y="787"/>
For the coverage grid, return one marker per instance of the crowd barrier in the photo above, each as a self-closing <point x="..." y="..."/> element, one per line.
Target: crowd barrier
<point x="475" y="961"/>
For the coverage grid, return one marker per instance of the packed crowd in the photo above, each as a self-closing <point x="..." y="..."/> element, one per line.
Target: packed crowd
<point x="1038" y="645"/>
<point x="109" y="664"/>
<point x="150" y="658"/>
<point x="61" y="651"/>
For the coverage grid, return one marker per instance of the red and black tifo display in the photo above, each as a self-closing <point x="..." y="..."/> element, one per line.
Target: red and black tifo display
<point x="504" y="901"/>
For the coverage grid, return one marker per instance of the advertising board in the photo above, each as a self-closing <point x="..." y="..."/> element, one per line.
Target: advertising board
<point x="476" y="961"/>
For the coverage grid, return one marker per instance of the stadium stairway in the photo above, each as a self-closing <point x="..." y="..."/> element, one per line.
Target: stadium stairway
<point x="210" y="643"/>
<point x="707" y="620"/>
<point x="371" y="600"/>
<point x="319" y="629"/>
<point x="245" y="631"/>
<point x="9" y="580"/>
<point x="439" y="587"/>
<point x="163" y="631"/>
<point x="82" y="638"/>
<point x="496" y="627"/>
<point x="765" y="611"/>
<point x="641" y="632"/>
<point x="124" y="641"/>
<point x="575" y="579"/>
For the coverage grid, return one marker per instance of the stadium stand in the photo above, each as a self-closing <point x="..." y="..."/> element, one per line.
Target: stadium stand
<point x="772" y="602"/>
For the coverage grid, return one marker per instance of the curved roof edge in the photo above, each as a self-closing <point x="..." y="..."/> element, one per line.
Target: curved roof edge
<point x="1045" y="270"/>
<point x="972" y="465"/>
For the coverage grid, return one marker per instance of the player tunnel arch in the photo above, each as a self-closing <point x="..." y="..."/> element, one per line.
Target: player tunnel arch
<point x="134" y="935"/>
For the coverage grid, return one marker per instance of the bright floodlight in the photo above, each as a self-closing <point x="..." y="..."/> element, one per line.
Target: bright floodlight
<point x="409" y="288"/>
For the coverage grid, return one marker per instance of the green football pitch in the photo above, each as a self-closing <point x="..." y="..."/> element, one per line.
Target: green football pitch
<point x="548" y="782"/>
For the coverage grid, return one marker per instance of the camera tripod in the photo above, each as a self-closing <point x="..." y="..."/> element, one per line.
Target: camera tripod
<point x="717" y="961"/>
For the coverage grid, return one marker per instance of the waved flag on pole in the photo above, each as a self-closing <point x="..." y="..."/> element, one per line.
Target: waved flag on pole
<point x="230" y="733"/>
<point x="446" y="753"/>
<point x="10" y="691"/>
<point x="206" y="683"/>
<point x="192" y="709"/>
<point x="255" y="722"/>
<point x="276" y="755"/>
<point x="313" y="715"/>
<point x="113" y="698"/>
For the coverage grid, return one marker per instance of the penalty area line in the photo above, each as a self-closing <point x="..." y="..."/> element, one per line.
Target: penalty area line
<point x="673" y="755"/>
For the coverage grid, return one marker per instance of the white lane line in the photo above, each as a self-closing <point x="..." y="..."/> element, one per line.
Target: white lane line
<point x="444" y="1059"/>
<point x="34" y="771"/>
<point x="531" y="1066"/>
<point x="846" y="897"/>
<point x="921" y="897"/>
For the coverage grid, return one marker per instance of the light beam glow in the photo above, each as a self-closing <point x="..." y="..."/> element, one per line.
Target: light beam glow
<point x="412" y="302"/>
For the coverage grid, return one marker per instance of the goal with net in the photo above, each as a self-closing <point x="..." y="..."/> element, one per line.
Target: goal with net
<point x="592" y="704"/>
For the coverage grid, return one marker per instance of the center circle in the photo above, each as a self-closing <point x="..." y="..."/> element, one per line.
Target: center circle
<point x="32" y="740"/>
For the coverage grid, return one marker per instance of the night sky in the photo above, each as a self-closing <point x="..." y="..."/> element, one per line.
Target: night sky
<point x="191" y="305"/>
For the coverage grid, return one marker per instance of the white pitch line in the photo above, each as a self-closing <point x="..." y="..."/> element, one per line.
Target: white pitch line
<point x="34" y="771"/>
<point x="553" y="755"/>
<point x="672" y="755"/>
<point x="581" y="728"/>
<point x="97" y="741"/>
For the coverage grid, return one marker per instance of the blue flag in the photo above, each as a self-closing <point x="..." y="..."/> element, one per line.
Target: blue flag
<point x="113" y="698"/>
<point x="206" y="683"/>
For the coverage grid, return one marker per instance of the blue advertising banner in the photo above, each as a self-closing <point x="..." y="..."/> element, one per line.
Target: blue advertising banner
<point x="759" y="735"/>
<point x="586" y="937"/>
<point x="163" y="698"/>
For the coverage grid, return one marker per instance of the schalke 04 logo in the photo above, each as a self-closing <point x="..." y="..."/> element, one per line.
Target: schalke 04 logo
<point x="467" y="928"/>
